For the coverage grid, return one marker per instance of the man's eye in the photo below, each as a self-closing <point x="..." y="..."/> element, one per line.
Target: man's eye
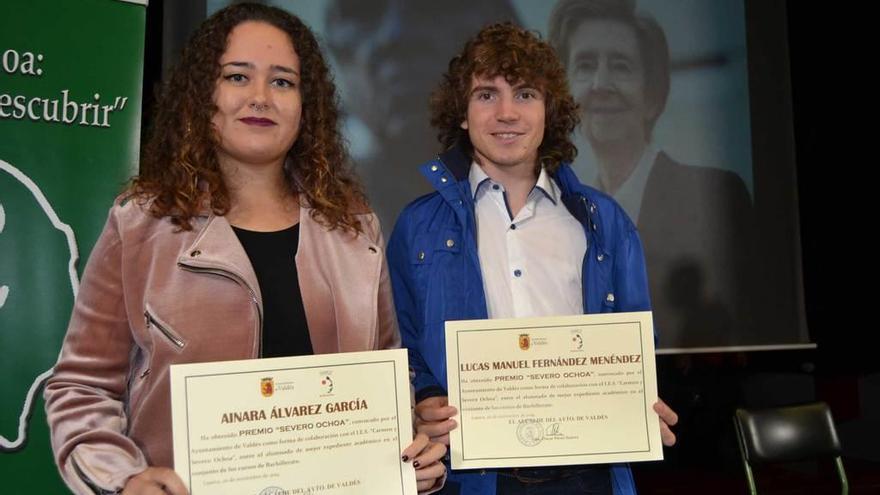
<point x="484" y="95"/>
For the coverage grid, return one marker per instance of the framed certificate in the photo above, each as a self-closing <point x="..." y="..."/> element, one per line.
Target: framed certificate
<point x="553" y="391"/>
<point x="333" y="423"/>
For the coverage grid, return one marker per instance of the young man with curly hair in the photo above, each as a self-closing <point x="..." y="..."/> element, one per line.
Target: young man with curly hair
<point x="509" y="232"/>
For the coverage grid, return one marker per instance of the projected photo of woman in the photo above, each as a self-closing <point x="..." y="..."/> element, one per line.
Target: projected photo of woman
<point x="693" y="220"/>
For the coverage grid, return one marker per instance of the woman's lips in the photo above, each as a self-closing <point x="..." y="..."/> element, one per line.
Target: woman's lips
<point x="258" y="121"/>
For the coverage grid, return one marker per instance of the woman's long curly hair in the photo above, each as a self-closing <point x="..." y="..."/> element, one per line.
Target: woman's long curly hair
<point x="518" y="55"/>
<point x="180" y="174"/>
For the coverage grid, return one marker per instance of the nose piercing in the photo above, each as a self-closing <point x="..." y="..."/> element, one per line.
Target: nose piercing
<point x="259" y="107"/>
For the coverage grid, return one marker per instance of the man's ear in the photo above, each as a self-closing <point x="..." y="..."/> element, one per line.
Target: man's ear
<point x="464" y="124"/>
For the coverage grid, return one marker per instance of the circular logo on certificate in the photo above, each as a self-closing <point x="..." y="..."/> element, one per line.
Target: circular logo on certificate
<point x="274" y="490"/>
<point x="529" y="433"/>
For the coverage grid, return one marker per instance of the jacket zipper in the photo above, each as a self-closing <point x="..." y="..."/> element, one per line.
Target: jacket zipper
<point x="240" y="281"/>
<point x="151" y="321"/>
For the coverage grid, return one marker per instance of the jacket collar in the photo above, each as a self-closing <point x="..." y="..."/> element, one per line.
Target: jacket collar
<point x="448" y="174"/>
<point x="458" y="162"/>
<point x="216" y="248"/>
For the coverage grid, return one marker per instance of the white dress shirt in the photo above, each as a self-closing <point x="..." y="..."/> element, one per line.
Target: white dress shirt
<point x="531" y="263"/>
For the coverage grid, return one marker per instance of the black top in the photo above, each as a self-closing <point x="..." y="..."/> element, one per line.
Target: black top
<point x="285" y="330"/>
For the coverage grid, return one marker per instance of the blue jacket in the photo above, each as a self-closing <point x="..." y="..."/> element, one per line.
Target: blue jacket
<point x="435" y="280"/>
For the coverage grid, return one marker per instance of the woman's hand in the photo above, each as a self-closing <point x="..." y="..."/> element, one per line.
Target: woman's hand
<point x="433" y="418"/>
<point x="426" y="456"/>
<point x="155" y="481"/>
<point x="668" y="419"/>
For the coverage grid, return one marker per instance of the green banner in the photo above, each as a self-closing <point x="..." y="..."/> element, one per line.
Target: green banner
<point x="70" y="94"/>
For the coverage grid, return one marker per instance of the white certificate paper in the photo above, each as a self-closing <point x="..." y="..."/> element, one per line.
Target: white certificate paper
<point x="553" y="391"/>
<point x="325" y="424"/>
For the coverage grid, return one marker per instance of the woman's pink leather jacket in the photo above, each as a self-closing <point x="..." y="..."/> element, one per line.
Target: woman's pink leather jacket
<point x="152" y="296"/>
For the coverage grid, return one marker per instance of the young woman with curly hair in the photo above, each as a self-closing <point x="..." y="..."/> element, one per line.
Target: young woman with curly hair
<point x="245" y="235"/>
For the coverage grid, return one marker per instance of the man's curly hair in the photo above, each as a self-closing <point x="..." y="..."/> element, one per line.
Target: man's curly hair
<point x="519" y="56"/>
<point x="180" y="174"/>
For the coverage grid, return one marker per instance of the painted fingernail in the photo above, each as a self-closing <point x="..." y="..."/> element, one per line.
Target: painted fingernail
<point x="416" y="464"/>
<point x="405" y="458"/>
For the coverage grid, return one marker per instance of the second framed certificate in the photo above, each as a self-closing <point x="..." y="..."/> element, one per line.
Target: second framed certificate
<point x="553" y="391"/>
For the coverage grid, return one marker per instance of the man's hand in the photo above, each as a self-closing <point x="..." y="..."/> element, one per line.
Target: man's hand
<point x="155" y="481"/>
<point x="668" y="418"/>
<point x="433" y="418"/>
<point x="426" y="458"/>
